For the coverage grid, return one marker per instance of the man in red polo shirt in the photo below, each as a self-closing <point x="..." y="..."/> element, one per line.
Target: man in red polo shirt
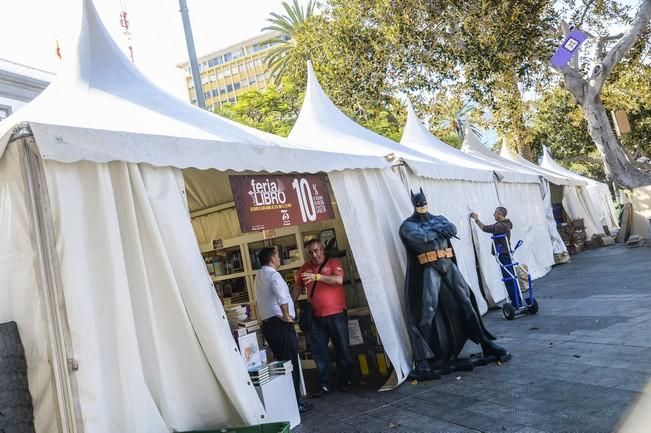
<point x="322" y="278"/>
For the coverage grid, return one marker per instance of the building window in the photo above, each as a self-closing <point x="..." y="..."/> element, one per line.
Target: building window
<point x="232" y="100"/>
<point x="228" y="57"/>
<point x="229" y="87"/>
<point x="220" y="75"/>
<point x="245" y="83"/>
<point x="5" y="111"/>
<point x="236" y="86"/>
<point x="234" y="70"/>
<point x="260" y="77"/>
<point x="249" y="65"/>
<point x="215" y="92"/>
<point x="206" y="95"/>
<point x="257" y="62"/>
<point x="241" y="68"/>
<point x="222" y="90"/>
<point x="227" y="72"/>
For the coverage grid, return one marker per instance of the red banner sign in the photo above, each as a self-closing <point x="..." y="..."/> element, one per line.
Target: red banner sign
<point x="267" y="202"/>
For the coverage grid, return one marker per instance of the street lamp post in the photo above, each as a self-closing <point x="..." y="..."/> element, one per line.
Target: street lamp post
<point x="192" y="54"/>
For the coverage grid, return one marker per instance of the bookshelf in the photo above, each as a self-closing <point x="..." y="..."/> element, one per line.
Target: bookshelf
<point x="234" y="266"/>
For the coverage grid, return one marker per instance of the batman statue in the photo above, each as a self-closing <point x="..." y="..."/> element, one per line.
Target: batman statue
<point x="441" y="309"/>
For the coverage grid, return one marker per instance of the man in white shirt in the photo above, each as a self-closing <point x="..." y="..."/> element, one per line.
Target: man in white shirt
<point x="276" y="310"/>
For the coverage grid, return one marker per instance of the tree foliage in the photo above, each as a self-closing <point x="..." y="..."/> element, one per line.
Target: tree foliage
<point x="288" y="26"/>
<point x="490" y="54"/>
<point x="273" y="109"/>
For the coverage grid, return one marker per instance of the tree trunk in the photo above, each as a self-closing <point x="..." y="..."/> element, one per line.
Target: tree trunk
<point x="616" y="163"/>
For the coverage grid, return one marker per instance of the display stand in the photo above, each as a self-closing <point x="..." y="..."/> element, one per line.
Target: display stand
<point x="279" y="399"/>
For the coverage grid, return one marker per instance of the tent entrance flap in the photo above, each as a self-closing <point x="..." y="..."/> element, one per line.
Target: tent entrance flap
<point x="59" y="342"/>
<point x="372" y="285"/>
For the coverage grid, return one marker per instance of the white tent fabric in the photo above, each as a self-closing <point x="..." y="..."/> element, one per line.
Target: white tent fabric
<point x="20" y="299"/>
<point x="379" y="255"/>
<point x="599" y="193"/>
<point x="526" y="207"/>
<point x="154" y="347"/>
<point x="557" y="242"/>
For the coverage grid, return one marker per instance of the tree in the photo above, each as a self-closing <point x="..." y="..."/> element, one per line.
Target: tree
<point x="586" y="88"/>
<point x="288" y="25"/>
<point x="559" y="123"/>
<point x="273" y="109"/>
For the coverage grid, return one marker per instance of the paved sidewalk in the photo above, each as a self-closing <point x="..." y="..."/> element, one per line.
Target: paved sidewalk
<point x="578" y="366"/>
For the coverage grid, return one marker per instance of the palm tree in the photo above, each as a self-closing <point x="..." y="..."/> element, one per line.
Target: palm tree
<point x="277" y="58"/>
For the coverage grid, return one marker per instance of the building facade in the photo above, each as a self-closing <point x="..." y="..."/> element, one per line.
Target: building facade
<point x="19" y="84"/>
<point x="229" y="72"/>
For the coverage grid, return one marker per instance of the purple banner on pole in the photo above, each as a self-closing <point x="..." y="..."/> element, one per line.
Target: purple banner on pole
<point x="568" y="48"/>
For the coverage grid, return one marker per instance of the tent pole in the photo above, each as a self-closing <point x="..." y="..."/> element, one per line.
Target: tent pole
<point x="65" y="385"/>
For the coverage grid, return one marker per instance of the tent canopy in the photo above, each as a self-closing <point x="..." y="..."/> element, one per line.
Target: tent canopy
<point x="324" y="127"/>
<point x="548" y="163"/>
<point x="473" y="146"/>
<point x="551" y="176"/>
<point x="459" y="165"/>
<point x="107" y="110"/>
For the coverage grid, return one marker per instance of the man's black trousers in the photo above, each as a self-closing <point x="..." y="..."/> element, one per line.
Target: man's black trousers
<point x="283" y="341"/>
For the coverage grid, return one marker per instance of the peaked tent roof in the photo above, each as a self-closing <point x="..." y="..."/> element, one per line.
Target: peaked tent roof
<point x="416" y="136"/>
<point x="325" y="127"/>
<point x="473" y="146"/>
<point x="548" y="163"/>
<point x="102" y="108"/>
<point x="551" y="176"/>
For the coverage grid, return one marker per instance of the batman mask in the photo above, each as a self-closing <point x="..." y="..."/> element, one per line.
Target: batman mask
<point x="420" y="202"/>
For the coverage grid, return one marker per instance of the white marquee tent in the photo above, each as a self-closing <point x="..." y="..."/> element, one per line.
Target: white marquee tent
<point x="598" y="192"/>
<point x="322" y="125"/>
<point x="575" y="199"/>
<point x="519" y="192"/>
<point x="99" y="263"/>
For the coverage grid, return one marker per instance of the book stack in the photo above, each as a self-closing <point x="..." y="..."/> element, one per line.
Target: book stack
<point x="236" y="314"/>
<point x="260" y="375"/>
<point x="280" y="367"/>
<point x="249" y="325"/>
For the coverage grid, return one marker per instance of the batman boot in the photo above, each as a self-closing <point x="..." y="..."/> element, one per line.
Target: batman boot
<point x="423" y="371"/>
<point x="491" y="349"/>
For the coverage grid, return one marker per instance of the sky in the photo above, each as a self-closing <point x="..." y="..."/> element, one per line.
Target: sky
<point x="29" y="30"/>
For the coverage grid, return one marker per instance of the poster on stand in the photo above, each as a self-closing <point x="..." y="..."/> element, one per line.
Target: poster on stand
<point x="274" y="201"/>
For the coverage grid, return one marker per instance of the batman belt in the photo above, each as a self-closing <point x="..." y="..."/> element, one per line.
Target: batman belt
<point x="432" y="256"/>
